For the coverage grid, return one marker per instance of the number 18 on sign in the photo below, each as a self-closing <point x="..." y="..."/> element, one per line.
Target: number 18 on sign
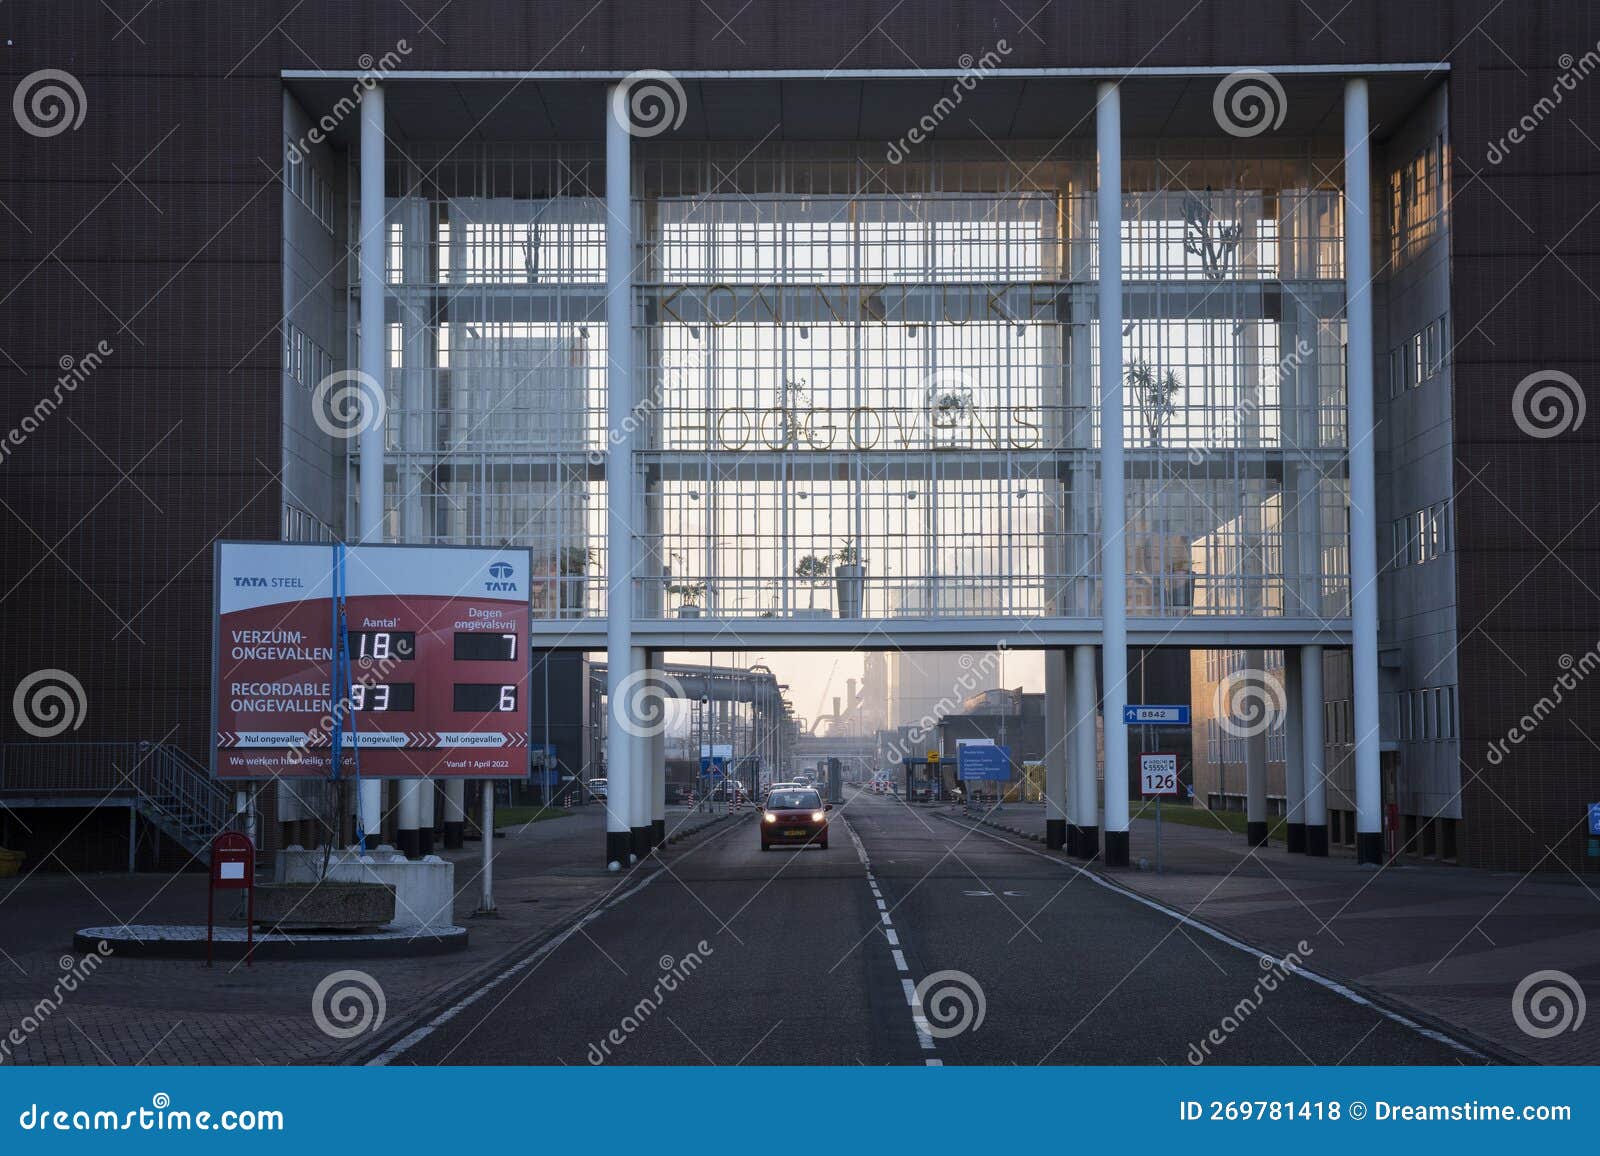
<point x="1158" y="776"/>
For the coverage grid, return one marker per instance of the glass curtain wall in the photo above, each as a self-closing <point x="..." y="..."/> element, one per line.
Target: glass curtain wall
<point x="870" y="390"/>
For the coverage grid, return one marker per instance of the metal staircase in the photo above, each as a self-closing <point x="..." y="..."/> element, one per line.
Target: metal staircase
<point x="173" y="792"/>
<point x="179" y="796"/>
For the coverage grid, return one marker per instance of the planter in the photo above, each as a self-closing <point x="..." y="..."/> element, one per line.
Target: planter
<point x="328" y="904"/>
<point x="573" y="595"/>
<point x="688" y="612"/>
<point x="850" y="579"/>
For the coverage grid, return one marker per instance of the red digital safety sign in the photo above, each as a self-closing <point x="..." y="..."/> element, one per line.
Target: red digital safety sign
<point x="435" y="682"/>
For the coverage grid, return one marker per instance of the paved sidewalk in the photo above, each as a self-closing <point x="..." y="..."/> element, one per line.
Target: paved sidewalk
<point x="133" y="1011"/>
<point x="1450" y="943"/>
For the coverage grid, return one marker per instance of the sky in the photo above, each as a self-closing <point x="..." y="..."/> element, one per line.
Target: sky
<point x="814" y="677"/>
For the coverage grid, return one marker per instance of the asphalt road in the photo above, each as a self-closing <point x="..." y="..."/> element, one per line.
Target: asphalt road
<point x="731" y="955"/>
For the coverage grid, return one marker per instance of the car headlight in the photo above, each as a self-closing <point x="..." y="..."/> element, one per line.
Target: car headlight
<point x="818" y="816"/>
<point x="769" y="817"/>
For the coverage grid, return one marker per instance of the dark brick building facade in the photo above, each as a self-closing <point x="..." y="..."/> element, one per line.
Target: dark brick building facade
<point x="154" y="227"/>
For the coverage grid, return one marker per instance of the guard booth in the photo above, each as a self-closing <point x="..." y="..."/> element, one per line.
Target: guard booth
<point x="924" y="778"/>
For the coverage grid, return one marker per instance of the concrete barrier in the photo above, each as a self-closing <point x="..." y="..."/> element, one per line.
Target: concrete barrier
<point x="424" y="889"/>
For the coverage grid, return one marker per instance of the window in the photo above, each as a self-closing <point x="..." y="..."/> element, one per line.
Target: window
<point x="307" y="185"/>
<point x="1416" y="200"/>
<point x="1421" y="536"/>
<point x="397" y="253"/>
<point x="1433" y="347"/>
<point x="1397" y="372"/>
<point x="1426" y="714"/>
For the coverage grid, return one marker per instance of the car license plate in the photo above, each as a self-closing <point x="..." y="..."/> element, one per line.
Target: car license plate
<point x="797" y="831"/>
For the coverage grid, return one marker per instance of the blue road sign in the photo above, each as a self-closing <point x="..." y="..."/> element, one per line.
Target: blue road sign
<point x="1135" y="714"/>
<point x="1594" y="818"/>
<point x="984" y="762"/>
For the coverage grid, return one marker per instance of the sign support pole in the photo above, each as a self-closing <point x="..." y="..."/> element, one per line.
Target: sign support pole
<point x="1158" y="834"/>
<point x="486" y="908"/>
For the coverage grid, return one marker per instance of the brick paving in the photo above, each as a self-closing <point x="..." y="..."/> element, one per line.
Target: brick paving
<point x="1450" y="944"/>
<point x="138" y="1011"/>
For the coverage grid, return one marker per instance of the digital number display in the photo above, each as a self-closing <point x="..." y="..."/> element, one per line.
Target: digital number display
<point x="485" y="697"/>
<point x="479" y="646"/>
<point x="384" y="696"/>
<point x="382" y="645"/>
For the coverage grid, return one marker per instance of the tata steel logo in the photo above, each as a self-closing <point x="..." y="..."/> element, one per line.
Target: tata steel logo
<point x="500" y="578"/>
<point x="277" y="582"/>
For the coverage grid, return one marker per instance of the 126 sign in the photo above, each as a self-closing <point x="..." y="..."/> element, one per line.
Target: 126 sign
<point x="1158" y="773"/>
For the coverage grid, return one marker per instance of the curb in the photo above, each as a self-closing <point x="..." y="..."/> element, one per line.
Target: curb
<point x="680" y="836"/>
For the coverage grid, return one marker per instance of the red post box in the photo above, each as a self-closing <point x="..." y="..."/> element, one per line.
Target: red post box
<point x="233" y="868"/>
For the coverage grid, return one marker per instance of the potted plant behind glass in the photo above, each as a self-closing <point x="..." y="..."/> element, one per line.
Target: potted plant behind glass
<point x="689" y="595"/>
<point x="572" y="564"/>
<point x="813" y="570"/>
<point x="850" y="580"/>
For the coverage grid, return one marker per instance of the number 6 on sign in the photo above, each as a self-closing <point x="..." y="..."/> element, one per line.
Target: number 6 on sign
<point x="1158" y="773"/>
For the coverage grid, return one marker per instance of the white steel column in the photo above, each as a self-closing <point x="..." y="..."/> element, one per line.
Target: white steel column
<point x="408" y="816"/>
<point x="1294" y="755"/>
<point x="1086" y="804"/>
<point x="1113" y="505"/>
<point x="1055" y="748"/>
<point x="655" y="761"/>
<point x="373" y="353"/>
<point x="426" y="788"/>
<point x="620" y="652"/>
<point x="455" y="813"/>
<point x="639" y="830"/>
<point x="373" y="368"/>
<point x="1312" y="743"/>
<point x="1363" y="472"/>
<point x="1255" y="747"/>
